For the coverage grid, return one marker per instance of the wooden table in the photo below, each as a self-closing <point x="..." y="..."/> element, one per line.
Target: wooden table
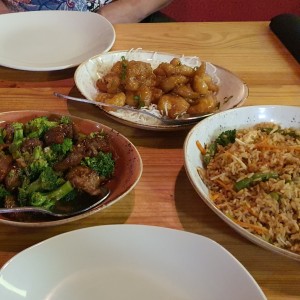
<point x="164" y="195"/>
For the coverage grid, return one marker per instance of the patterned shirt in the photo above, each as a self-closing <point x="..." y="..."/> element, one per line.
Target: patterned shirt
<point x="78" y="5"/>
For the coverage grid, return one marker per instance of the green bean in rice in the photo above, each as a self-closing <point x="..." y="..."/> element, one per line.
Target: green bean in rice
<point x="255" y="181"/>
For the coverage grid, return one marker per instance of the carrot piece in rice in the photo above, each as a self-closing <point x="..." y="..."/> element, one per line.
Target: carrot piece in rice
<point x="200" y="147"/>
<point x="257" y="228"/>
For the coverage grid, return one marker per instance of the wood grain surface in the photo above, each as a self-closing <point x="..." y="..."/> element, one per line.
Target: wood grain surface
<point x="164" y="195"/>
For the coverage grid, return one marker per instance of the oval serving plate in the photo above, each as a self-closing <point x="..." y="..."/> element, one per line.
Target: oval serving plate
<point x="210" y="128"/>
<point x="52" y="40"/>
<point x="232" y="90"/>
<point x="127" y="262"/>
<point x="128" y="168"/>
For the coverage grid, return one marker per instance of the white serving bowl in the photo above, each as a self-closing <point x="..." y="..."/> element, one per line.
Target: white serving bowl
<point x="208" y="129"/>
<point x="233" y="91"/>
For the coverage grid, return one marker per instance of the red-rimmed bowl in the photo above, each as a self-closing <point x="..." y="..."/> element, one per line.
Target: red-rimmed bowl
<point x="128" y="168"/>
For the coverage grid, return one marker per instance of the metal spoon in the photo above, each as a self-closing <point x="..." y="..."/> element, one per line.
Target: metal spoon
<point x="184" y="119"/>
<point x="62" y="209"/>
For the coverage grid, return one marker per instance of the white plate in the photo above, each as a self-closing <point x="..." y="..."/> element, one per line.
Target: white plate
<point x="52" y="40"/>
<point x="232" y="90"/>
<point x="131" y="262"/>
<point x="210" y="128"/>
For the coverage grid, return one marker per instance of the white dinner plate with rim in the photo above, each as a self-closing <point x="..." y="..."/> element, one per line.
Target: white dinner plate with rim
<point x="131" y="262"/>
<point x="232" y="90"/>
<point x="207" y="130"/>
<point x="52" y="40"/>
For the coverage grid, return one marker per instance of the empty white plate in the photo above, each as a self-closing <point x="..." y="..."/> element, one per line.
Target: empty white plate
<point x="131" y="262"/>
<point x="52" y="40"/>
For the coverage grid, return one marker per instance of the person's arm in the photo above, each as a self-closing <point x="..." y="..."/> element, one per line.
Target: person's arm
<point x="3" y="8"/>
<point x="131" y="11"/>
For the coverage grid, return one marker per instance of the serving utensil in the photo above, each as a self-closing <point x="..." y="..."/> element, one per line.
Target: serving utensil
<point x="183" y="119"/>
<point x="62" y="209"/>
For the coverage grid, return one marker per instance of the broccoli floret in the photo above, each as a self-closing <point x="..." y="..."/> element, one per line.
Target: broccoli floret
<point x="223" y="139"/>
<point x="36" y="167"/>
<point x="95" y="134"/>
<point x="37" y="127"/>
<point x="103" y="164"/>
<point x="65" y="120"/>
<point x="48" y="180"/>
<point x="47" y="200"/>
<point x="18" y="131"/>
<point x="57" y="152"/>
<point x="62" y="149"/>
<point x="22" y="191"/>
<point x="226" y="137"/>
<point x="70" y="196"/>
<point x="17" y="140"/>
<point x="2" y="136"/>
<point x="51" y="156"/>
<point x="3" y="193"/>
<point x="37" y="163"/>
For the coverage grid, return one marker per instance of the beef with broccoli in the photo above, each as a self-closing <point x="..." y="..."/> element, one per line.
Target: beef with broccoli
<point x="46" y="160"/>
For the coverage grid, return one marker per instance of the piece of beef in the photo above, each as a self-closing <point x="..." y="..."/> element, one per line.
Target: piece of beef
<point x="10" y="201"/>
<point x="73" y="159"/>
<point x="12" y="179"/>
<point x="29" y="144"/>
<point x="3" y="147"/>
<point x="88" y="147"/>
<point x="85" y="179"/>
<point x="6" y="162"/>
<point x="56" y="135"/>
<point x="9" y="133"/>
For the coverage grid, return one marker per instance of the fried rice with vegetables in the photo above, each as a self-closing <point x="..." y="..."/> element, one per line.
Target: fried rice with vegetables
<point x="254" y="178"/>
